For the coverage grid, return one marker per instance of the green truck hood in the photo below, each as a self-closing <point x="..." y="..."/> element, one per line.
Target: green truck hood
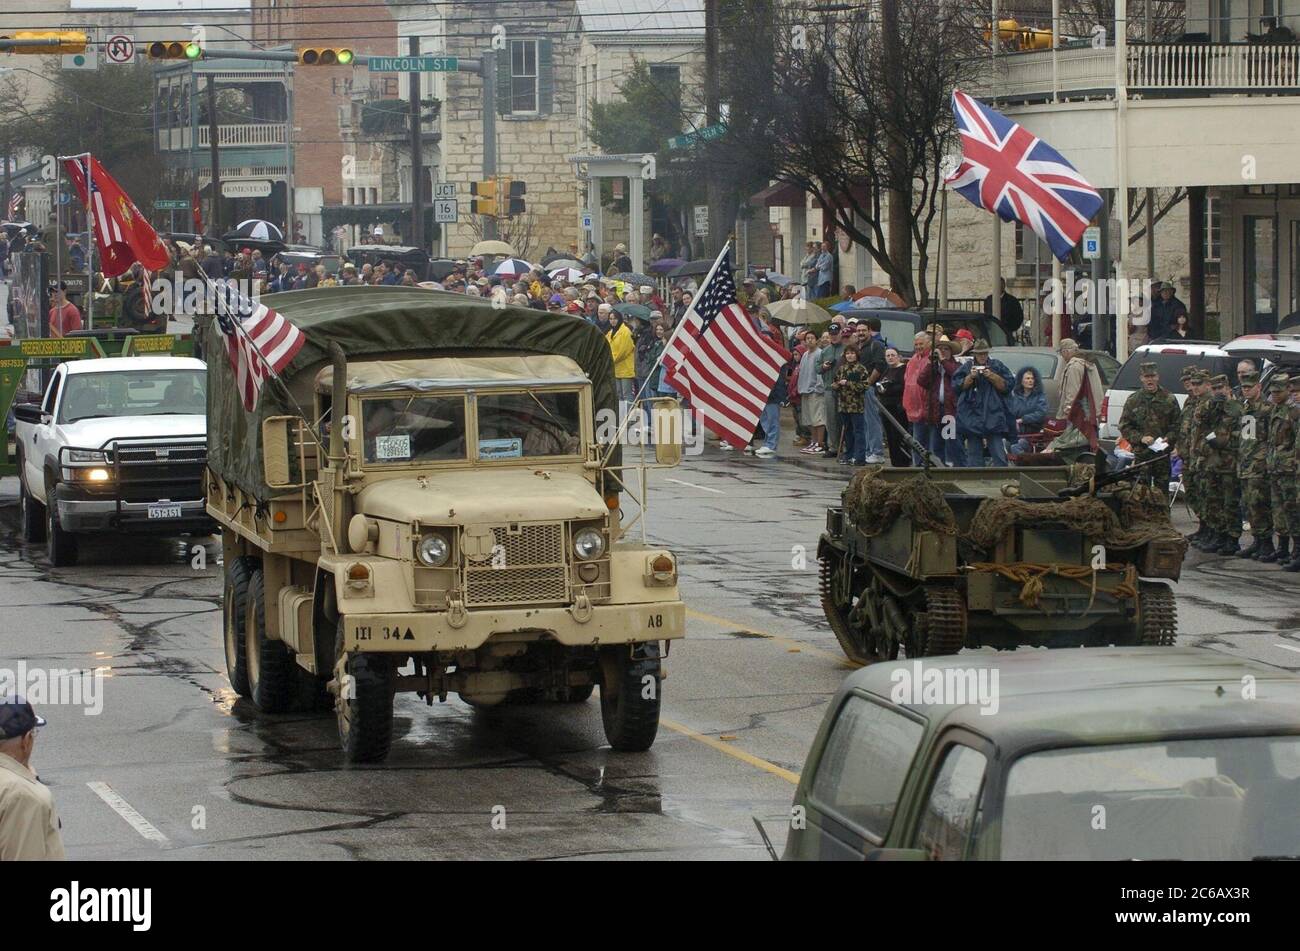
<point x="475" y="496"/>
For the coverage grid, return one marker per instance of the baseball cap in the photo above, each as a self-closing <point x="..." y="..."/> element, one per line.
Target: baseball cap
<point x="835" y="327"/>
<point x="964" y="334"/>
<point x="17" y="717"/>
<point x="646" y="289"/>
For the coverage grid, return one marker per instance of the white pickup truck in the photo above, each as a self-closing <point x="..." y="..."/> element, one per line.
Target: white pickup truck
<point x="116" y="445"/>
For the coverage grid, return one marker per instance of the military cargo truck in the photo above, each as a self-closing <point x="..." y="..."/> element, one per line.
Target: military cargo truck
<point x="420" y="503"/>
<point x="929" y="562"/>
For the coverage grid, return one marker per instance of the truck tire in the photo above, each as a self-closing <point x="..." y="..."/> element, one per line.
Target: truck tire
<point x="579" y="694"/>
<point x="60" y="546"/>
<point x="631" y="719"/>
<point x="234" y="611"/>
<point x="32" y="514"/>
<point x="365" y="712"/>
<point x="270" y="665"/>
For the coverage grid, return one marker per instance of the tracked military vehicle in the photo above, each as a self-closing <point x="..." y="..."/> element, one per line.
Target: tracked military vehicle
<point x="929" y="562"/>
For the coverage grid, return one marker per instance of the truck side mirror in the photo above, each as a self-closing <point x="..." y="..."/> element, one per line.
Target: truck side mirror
<point x="29" y="413"/>
<point x="280" y="434"/>
<point x="666" y="420"/>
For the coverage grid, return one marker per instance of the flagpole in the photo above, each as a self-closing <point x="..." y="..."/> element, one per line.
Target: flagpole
<point x="58" y="239"/>
<point x="90" y="244"/>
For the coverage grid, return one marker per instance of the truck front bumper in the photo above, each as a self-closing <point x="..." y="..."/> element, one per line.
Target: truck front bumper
<point x="434" y="631"/>
<point x="83" y="515"/>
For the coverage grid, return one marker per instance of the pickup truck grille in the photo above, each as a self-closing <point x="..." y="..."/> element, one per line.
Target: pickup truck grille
<point x="159" y="470"/>
<point x="529" y="567"/>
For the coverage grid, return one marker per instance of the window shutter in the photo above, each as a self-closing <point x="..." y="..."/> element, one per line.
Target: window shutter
<point x="545" y="79"/>
<point x="505" y="99"/>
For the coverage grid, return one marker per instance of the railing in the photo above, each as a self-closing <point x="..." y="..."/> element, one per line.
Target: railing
<point x="258" y="133"/>
<point x="1237" y="67"/>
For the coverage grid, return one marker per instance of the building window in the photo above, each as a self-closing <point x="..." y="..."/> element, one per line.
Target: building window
<point x="1213" y="236"/>
<point x="523" y="76"/>
<point x="374" y="196"/>
<point x="668" y="80"/>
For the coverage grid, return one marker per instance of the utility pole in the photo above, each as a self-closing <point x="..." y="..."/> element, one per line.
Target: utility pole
<point x="712" y="116"/>
<point x="489" y="70"/>
<point x="417" y="159"/>
<point x="214" y="147"/>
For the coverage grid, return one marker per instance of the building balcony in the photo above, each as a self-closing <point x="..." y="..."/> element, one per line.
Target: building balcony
<point x="241" y="135"/>
<point x="1153" y="70"/>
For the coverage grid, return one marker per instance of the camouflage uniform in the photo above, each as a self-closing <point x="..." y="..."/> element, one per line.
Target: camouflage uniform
<point x="1281" y="463"/>
<point x="1218" y="421"/>
<point x="1186" y="445"/>
<point x="1150" y="414"/>
<point x="1252" y="469"/>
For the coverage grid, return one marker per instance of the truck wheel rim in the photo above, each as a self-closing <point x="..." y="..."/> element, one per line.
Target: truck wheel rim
<point x="252" y="659"/>
<point x="229" y="625"/>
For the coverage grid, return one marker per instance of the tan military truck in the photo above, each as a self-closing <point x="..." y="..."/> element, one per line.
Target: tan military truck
<point x="421" y="503"/>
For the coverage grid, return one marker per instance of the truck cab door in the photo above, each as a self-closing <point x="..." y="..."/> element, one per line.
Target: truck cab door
<point x="43" y="436"/>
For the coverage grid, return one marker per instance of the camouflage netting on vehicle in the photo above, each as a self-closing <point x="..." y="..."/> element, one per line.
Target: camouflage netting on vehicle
<point x="378" y="323"/>
<point x="878" y="503"/>
<point x="1143" y="520"/>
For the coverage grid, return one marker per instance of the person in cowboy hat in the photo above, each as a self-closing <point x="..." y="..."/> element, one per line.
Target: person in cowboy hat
<point x="621" y="262"/>
<point x="1165" y="310"/>
<point x="982" y="386"/>
<point x="1081" y="391"/>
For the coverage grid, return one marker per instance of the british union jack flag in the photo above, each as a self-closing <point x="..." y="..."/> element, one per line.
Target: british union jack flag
<point x="1012" y="172"/>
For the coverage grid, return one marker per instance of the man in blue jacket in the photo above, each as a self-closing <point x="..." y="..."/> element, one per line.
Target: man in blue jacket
<point x="982" y="420"/>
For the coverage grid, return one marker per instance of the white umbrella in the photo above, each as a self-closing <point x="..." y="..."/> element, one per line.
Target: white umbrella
<point x="513" y="267"/>
<point x="491" y="248"/>
<point x="570" y="274"/>
<point x="256" y="229"/>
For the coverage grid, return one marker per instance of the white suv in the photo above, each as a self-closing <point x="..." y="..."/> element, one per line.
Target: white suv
<point x="1170" y="358"/>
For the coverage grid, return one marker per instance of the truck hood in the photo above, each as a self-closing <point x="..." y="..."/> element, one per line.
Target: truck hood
<point x="93" y="433"/>
<point x="466" y="497"/>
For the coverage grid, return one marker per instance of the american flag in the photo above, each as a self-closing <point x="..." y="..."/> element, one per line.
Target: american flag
<point x="15" y="202"/>
<point x="259" y="341"/>
<point x="1009" y="171"/>
<point x="717" y="359"/>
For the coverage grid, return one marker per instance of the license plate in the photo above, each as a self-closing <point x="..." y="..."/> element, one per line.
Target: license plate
<point x="164" y="511"/>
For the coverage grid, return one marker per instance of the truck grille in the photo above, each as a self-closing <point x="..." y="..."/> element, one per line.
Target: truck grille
<point x="528" y="567"/>
<point x="159" y="470"/>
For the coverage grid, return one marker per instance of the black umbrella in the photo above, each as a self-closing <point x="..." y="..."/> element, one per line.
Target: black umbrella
<point x="634" y="277"/>
<point x="256" y="233"/>
<point x="691" y="269"/>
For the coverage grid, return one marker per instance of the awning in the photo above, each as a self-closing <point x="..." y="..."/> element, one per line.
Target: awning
<point x="780" y="195"/>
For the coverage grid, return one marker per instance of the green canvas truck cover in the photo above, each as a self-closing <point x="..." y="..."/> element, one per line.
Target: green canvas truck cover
<point x="374" y="323"/>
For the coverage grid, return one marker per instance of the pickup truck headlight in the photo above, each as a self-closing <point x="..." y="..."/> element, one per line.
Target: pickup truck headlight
<point x="588" y="544"/>
<point x="84" y="456"/>
<point x="433" y="550"/>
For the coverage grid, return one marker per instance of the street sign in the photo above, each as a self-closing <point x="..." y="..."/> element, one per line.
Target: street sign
<point x="412" y="64"/>
<point x="120" y="48"/>
<point x="246" y="188"/>
<point x="701" y="220"/>
<point x="444" y="190"/>
<point x="172" y="204"/>
<point x="444" y="211"/>
<point x="65" y="198"/>
<point x="708" y="133"/>
<point x="87" y="59"/>
<point x="1091" y="244"/>
<point x="586" y="220"/>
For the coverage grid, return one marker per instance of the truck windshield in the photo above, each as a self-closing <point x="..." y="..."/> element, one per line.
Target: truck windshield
<point x="405" y="429"/>
<point x="519" y="425"/>
<point x="134" y="393"/>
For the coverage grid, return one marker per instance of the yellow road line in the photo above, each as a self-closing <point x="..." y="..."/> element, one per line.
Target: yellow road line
<point x="731" y="750"/>
<point x="788" y="642"/>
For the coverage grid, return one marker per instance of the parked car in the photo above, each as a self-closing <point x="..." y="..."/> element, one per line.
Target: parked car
<point x="297" y="254"/>
<point x="196" y="240"/>
<point x="898" y="327"/>
<point x="1049" y="366"/>
<point x="372" y="254"/>
<point x="1160" y="743"/>
<point x="1274" y="352"/>
<point x="1170" y="358"/>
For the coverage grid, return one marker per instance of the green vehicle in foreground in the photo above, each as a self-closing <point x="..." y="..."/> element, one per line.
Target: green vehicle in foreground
<point x="1110" y="754"/>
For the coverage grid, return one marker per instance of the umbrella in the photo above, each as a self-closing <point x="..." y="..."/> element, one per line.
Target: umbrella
<point x="691" y="269"/>
<point x="559" y="259"/>
<point x="255" y="230"/>
<point x="780" y="280"/>
<point x="633" y="310"/>
<point x="797" y="312"/>
<point x="664" y="265"/>
<point x="632" y="277"/>
<point x="851" y="305"/>
<point x="431" y="285"/>
<point x="493" y="248"/>
<point x="877" y="296"/>
<point x="570" y="274"/>
<point x="512" y="267"/>
<point x="557" y="263"/>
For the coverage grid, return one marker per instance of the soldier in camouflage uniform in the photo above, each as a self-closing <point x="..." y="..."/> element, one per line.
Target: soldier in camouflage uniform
<point x="1218" y="421"/>
<point x="1290" y="466"/>
<point x="1252" y="466"/>
<point x="1149" y="414"/>
<point x="1280" y="462"/>
<point x="1185" y="445"/>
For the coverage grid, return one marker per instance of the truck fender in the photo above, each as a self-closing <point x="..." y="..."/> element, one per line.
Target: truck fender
<point x="325" y="613"/>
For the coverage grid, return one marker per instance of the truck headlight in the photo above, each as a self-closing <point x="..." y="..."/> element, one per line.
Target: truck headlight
<point x="87" y="455"/>
<point x="433" y="550"/>
<point x="588" y="544"/>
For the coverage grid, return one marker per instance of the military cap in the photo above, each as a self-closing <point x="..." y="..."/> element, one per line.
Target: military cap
<point x="1219" y="379"/>
<point x="1149" y="369"/>
<point x="1187" y="371"/>
<point x="1293" y="383"/>
<point x="1248" y="379"/>
<point x="1199" y="376"/>
<point x="1278" y="383"/>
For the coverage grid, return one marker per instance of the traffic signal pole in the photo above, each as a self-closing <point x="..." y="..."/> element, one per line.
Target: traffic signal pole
<point x="215" y="216"/>
<point x="488" y="70"/>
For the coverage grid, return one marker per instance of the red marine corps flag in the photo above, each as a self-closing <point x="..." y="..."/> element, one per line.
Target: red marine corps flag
<point x="718" y="360"/>
<point x="122" y="234"/>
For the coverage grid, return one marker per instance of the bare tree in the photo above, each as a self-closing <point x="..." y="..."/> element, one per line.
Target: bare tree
<point x="520" y="232"/>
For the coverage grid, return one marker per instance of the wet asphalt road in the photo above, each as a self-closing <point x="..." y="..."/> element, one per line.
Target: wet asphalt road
<point x="175" y="768"/>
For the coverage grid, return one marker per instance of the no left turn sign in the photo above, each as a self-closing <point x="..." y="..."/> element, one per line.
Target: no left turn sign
<point x="120" y="48"/>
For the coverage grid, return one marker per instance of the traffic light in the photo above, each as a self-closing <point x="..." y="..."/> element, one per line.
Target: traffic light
<point x="45" y="41"/>
<point x="175" y="49"/>
<point x="501" y="198"/>
<point x="325" y="56"/>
